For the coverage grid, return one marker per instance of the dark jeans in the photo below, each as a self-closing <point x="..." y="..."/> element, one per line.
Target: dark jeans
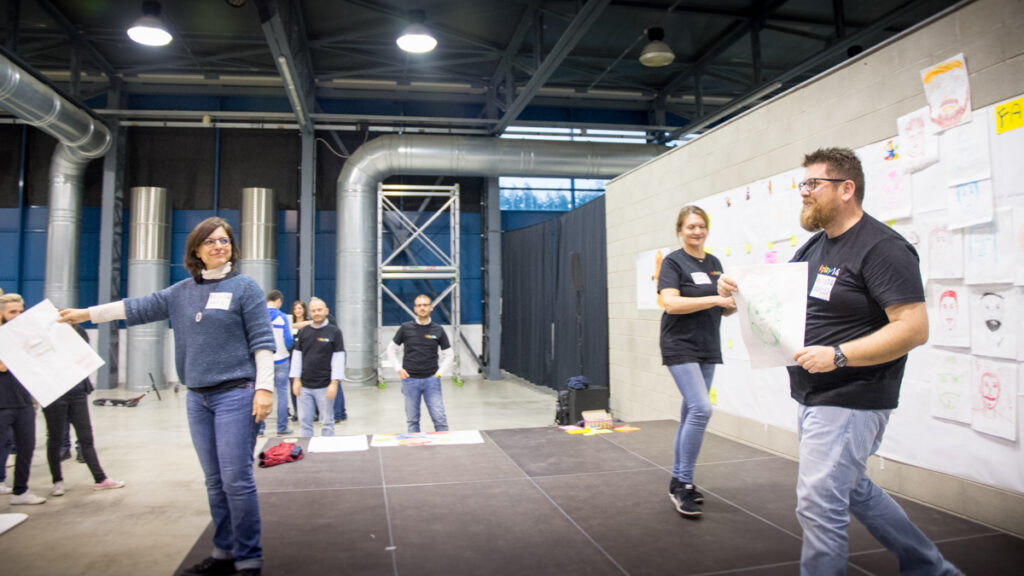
<point x="22" y="421"/>
<point x="73" y="408"/>
<point x="6" y="449"/>
<point x="339" y="404"/>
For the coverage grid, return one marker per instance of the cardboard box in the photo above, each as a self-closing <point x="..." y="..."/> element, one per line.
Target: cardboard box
<point x="597" y="419"/>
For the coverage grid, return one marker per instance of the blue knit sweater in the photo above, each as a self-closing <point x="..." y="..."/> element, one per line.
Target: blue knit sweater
<point x="218" y="325"/>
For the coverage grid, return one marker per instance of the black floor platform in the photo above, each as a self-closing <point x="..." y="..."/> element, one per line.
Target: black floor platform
<point x="539" y="501"/>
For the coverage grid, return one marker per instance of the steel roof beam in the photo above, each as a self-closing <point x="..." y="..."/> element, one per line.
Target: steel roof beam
<point x="286" y="34"/>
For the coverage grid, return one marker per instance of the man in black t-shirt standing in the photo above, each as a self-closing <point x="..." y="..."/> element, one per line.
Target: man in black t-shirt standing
<point x="420" y="369"/>
<point x="318" y="367"/>
<point x="865" y="312"/>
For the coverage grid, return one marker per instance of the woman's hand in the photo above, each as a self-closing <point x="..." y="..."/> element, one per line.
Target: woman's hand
<point x="262" y="402"/>
<point x="74" y="315"/>
<point x="728" y="305"/>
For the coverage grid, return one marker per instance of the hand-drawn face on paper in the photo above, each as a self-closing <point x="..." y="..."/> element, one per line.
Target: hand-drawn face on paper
<point x="992" y="311"/>
<point x="949" y="386"/>
<point x="914" y="128"/>
<point x="949" y="309"/>
<point x="765" y="314"/>
<point x="948" y="91"/>
<point x="968" y="196"/>
<point x="990" y="390"/>
<point x="940" y="241"/>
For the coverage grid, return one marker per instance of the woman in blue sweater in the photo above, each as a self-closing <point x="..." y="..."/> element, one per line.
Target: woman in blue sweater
<point x="223" y="349"/>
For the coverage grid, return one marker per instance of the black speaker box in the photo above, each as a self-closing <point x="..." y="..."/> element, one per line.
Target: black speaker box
<point x="586" y="399"/>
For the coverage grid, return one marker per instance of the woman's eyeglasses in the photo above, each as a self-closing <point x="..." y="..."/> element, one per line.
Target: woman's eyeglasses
<point x="211" y="242"/>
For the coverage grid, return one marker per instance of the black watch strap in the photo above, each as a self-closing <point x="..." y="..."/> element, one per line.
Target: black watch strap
<point x="840" y="358"/>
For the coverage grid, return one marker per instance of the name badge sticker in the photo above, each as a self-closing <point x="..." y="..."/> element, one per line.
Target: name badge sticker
<point x="822" y="289"/>
<point x="219" y="301"/>
<point x="700" y="278"/>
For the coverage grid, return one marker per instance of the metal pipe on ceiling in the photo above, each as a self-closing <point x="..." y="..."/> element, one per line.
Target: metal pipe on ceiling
<point x="82" y="138"/>
<point x="371" y="163"/>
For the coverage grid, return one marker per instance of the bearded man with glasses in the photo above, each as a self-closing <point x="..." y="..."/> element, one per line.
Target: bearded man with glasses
<point x="865" y="312"/>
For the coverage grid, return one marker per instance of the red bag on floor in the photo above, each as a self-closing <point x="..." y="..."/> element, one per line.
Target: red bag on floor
<point x="280" y="454"/>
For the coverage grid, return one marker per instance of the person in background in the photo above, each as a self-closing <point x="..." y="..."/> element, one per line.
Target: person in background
<point x="17" y="414"/>
<point x="224" y="354"/>
<point x="690" y="345"/>
<point x="299" y="319"/>
<point x="73" y="408"/>
<point x="420" y="368"/>
<point x="865" y="312"/>
<point x="318" y="367"/>
<point x="283" y="340"/>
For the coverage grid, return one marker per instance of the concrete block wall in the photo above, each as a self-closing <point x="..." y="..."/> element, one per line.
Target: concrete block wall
<point x="852" y="105"/>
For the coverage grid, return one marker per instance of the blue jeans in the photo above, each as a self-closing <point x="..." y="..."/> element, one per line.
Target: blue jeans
<point x="694" y="383"/>
<point x="224" y="434"/>
<point x="281" y="385"/>
<point x="339" y="404"/>
<point x="310" y="398"/>
<point x="835" y="444"/>
<point x="430" y="390"/>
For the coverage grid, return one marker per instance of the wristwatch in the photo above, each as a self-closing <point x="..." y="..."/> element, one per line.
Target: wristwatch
<point x="840" y="358"/>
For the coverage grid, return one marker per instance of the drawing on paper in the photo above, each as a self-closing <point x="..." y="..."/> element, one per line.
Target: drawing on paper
<point x="994" y="404"/>
<point x="993" y="323"/>
<point x="948" y="91"/>
<point x="948" y="315"/>
<point x="951" y="381"/>
<point x="764" y="312"/>
<point x="945" y="252"/>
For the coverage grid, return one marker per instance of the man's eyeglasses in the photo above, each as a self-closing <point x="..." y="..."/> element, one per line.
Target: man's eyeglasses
<point x="211" y="242"/>
<point x="811" y="184"/>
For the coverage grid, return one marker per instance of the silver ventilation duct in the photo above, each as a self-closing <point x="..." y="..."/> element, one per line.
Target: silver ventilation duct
<point x="148" y="271"/>
<point x="82" y="138"/>
<point x="356" y="296"/>
<point x="258" y="240"/>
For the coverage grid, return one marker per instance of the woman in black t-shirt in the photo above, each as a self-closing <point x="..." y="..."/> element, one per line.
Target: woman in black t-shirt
<point x="690" y="346"/>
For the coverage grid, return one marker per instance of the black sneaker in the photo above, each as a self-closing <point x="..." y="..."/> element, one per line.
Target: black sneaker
<point x="683" y="500"/>
<point x="251" y="572"/>
<point x="79" y="457"/>
<point x="678" y="485"/>
<point x="211" y="567"/>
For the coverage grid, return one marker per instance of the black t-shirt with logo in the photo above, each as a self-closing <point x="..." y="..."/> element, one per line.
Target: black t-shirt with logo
<point x="851" y="280"/>
<point x="691" y="337"/>
<point x="421" y="344"/>
<point x="318" y="346"/>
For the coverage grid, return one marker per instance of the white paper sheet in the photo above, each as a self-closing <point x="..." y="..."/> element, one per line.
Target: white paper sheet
<point x="919" y="140"/>
<point x="970" y="204"/>
<point x="994" y="324"/>
<point x="47" y="356"/>
<point x="916" y="233"/>
<point x="1007" y="167"/>
<point x="1018" y="246"/>
<point x="648" y="267"/>
<point x="338" y="443"/>
<point x="995" y="398"/>
<point x="772" y="306"/>
<point x="928" y="189"/>
<point x="988" y="248"/>
<point x="948" y="90"/>
<point x="427" y="438"/>
<point x="965" y="153"/>
<point x="949" y="314"/>
<point x="950" y="379"/>
<point x="945" y="250"/>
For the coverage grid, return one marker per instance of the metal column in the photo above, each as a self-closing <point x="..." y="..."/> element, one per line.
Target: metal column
<point x="444" y="264"/>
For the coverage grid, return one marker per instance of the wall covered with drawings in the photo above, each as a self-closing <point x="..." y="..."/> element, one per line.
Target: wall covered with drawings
<point x="944" y="160"/>
<point x="964" y="212"/>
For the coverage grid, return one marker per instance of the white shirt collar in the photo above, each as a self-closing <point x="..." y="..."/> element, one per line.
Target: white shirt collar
<point x="218" y="272"/>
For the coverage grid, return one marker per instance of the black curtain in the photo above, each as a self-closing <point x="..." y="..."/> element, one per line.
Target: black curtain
<point x="554" y="320"/>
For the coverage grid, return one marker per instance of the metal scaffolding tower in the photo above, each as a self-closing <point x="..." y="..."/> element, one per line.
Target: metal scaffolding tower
<point x="431" y="263"/>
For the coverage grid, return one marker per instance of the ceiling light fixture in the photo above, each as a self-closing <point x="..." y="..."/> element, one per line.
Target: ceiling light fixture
<point x="149" y="29"/>
<point x="656" y="53"/>
<point x="416" y="38"/>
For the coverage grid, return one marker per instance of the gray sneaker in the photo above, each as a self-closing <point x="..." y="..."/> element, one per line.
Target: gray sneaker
<point x="26" y="498"/>
<point x="58" y="489"/>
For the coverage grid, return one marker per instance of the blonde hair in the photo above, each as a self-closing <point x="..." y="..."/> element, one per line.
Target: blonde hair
<point x="691" y="209"/>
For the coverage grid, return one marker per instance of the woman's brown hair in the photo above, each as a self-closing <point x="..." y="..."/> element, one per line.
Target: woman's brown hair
<point x="691" y="209"/>
<point x="195" y="239"/>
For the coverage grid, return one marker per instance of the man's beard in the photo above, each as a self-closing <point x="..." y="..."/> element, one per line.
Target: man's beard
<point x="816" y="216"/>
<point x="993" y="325"/>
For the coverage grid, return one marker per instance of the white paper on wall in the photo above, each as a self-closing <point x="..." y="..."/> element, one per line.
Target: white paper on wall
<point x="1018" y="246"/>
<point x="928" y="189"/>
<point x="970" y="203"/>
<point x="945" y="249"/>
<point x="648" y="267"/>
<point x="989" y="251"/>
<point x="993" y="320"/>
<point x="1007" y="167"/>
<point x="772" y="306"/>
<point x="965" y="153"/>
<point x="948" y="90"/>
<point x="45" y="355"/>
<point x="887" y="193"/>
<point x="919" y="140"/>
<point x="950" y="379"/>
<point x="995" y="398"/>
<point x="949" y="308"/>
